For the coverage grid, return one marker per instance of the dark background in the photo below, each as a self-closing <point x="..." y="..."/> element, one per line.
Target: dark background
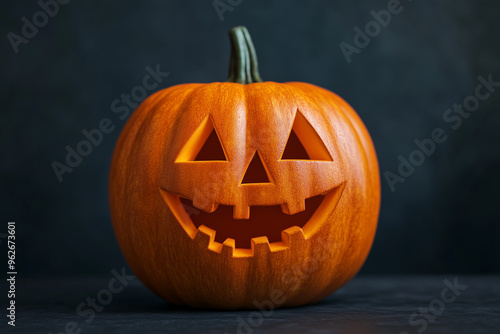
<point x="444" y="218"/>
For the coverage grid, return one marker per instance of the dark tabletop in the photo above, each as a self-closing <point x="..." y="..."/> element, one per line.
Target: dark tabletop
<point x="367" y="304"/>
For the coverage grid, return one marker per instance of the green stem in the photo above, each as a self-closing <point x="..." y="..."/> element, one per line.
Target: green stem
<point x="243" y="66"/>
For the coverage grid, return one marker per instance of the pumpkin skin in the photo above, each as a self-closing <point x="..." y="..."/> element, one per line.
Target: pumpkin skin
<point x="291" y="240"/>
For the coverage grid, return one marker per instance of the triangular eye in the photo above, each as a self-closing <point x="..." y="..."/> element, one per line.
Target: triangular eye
<point x="304" y="142"/>
<point x="204" y="145"/>
<point x="212" y="149"/>
<point x="294" y="150"/>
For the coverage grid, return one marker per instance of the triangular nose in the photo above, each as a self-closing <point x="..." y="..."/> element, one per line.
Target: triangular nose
<point x="256" y="172"/>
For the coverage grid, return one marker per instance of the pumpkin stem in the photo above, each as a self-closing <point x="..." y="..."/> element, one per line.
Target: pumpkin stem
<point x="243" y="66"/>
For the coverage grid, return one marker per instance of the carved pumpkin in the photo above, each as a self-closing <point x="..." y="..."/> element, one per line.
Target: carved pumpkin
<point x="244" y="193"/>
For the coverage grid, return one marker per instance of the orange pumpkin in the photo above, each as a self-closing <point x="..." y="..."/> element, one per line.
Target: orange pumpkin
<point x="244" y="193"/>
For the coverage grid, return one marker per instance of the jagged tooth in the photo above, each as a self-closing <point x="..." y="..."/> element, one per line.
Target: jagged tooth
<point x="241" y="211"/>
<point x="284" y="208"/>
<point x="292" y="208"/>
<point x="260" y="245"/>
<point x="228" y="247"/>
<point x="293" y="235"/>
<point x="204" y="236"/>
<point x="213" y="207"/>
<point x="202" y="204"/>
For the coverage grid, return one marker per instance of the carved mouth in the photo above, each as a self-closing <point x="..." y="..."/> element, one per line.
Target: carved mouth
<point x="268" y="226"/>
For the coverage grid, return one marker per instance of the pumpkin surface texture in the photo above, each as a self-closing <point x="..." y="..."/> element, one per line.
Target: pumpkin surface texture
<point x="244" y="194"/>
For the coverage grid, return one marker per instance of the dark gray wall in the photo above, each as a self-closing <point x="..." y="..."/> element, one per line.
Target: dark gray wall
<point x="443" y="218"/>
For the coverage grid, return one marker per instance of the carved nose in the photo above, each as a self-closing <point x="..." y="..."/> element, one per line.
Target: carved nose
<point x="256" y="172"/>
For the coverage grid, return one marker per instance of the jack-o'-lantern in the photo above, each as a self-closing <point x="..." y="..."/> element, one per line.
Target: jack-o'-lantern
<point x="230" y="195"/>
